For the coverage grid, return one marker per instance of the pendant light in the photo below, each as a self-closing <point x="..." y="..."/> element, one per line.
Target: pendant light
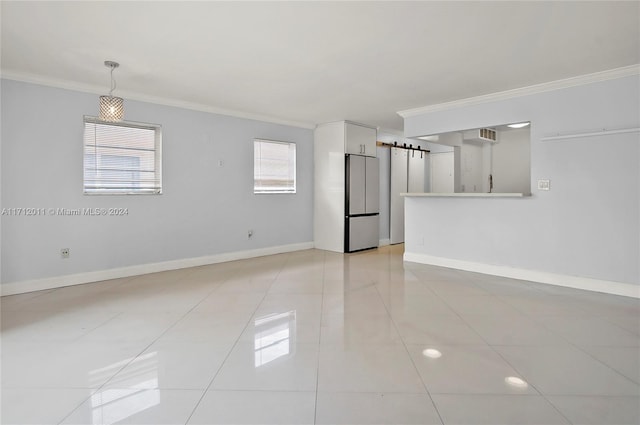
<point x="111" y="107"/>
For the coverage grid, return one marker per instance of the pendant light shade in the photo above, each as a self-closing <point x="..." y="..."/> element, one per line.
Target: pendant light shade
<point x="111" y="107"/>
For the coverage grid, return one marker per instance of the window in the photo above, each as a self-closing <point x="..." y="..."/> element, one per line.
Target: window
<point x="274" y="167"/>
<point x="121" y="158"/>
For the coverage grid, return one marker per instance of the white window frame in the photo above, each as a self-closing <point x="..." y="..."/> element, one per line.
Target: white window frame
<point x="259" y="189"/>
<point x="156" y="190"/>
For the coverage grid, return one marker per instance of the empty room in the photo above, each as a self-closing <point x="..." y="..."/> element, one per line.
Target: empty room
<point x="237" y="212"/>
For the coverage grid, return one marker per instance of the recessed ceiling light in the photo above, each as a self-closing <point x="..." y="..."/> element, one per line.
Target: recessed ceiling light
<point x="518" y="125"/>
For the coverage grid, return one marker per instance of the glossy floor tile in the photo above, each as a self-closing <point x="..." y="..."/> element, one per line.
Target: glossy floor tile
<point x="433" y="330"/>
<point x="255" y="407"/>
<point x="497" y="410"/>
<point x="40" y="406"/>
<point x="466" y="369"/>
<point x="367" y="367"/>
<point x="590" y="410"/>
<point x="624" y="360"/>
<point x="566" y="370"/>
<point x="78" y="364"/>
<point x="518" y="330"/>
<point x="167" y="365"/>
<point x="135" y="407"/>
<point x="375" y="408"/>
<point x="52" y="326"/>
<point x="276" y="364"/>
<point x="359" y="329"/>
<point x="319" y="337"/>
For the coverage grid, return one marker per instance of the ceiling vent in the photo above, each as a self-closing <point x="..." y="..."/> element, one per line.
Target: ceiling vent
<point x="480" y="135"/>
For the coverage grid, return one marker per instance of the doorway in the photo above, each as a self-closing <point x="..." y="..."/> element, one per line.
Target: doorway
<point x="442" y="172"/>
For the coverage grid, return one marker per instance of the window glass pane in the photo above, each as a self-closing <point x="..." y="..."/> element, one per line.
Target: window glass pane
<point x="274" y="167"/>
<point x="121" y="158"/>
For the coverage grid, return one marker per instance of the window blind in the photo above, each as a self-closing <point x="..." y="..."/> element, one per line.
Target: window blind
<point x="274" y="166"/>
<point x="121" y="157"/>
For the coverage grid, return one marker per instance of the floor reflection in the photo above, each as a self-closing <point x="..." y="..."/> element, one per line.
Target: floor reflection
<point x="432" y="353"/>
<point x="274" y="337"/>
<point x="135" y="389"/>
<point x="514" y="381"/>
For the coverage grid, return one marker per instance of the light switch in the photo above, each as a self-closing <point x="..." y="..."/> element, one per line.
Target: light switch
<point x="544" y="184"/>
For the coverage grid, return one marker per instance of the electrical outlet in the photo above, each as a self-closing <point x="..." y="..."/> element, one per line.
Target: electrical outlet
<point x="221" y="163"/>
<point x="544" y="184"/>
<point x="64" y="253"/>
<point x="249" y="234"/>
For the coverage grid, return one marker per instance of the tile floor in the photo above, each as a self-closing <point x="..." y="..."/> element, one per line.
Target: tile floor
<point x="318" y="337"/>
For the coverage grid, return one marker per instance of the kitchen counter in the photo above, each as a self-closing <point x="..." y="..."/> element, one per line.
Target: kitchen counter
<point x="464" y="195"/>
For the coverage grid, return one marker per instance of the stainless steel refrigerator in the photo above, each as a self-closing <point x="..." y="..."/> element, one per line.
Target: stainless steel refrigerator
<point x="362" y="203"/>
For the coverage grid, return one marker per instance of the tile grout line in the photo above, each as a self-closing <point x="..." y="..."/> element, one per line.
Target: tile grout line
<point x="324" y="274"/>
<point x="390" y="270"/>
<point x="415" y="367"/>
<point x="133" y="358"/>
<point x="541" y="394"/>
<point x="607" y="319"/>
<point x="215" y="375"/>
<point x="492" y="347"/>
<point x="576" y="346"/>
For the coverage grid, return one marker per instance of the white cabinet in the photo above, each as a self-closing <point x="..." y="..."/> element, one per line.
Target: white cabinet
<point x="332" y="141"/>
<point x="359" y="139"/>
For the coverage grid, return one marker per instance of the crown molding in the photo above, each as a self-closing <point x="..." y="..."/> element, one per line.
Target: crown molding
<point x="391" y="131"/>
<point x="580" y="80"/>
<point x="129" y="95"/>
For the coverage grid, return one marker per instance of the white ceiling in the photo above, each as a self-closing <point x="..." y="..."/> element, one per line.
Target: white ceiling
<point x="313" y="62"/>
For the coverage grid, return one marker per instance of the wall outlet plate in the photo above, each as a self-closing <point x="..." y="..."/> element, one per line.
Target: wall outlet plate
<point x="544" y="184"/>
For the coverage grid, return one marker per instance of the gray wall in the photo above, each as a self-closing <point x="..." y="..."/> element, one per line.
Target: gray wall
<point x="587" y="225"/>
<point x="204" y="209"/>
<point x="512" y="161"/>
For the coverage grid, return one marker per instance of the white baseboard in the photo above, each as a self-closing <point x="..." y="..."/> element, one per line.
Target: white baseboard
<point x="24" y="286"/>
<point x="384" y="242"/>
<point x="576" y="282"/>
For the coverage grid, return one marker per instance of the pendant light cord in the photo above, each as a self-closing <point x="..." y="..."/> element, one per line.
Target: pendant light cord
<point x="113" y="82"/>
